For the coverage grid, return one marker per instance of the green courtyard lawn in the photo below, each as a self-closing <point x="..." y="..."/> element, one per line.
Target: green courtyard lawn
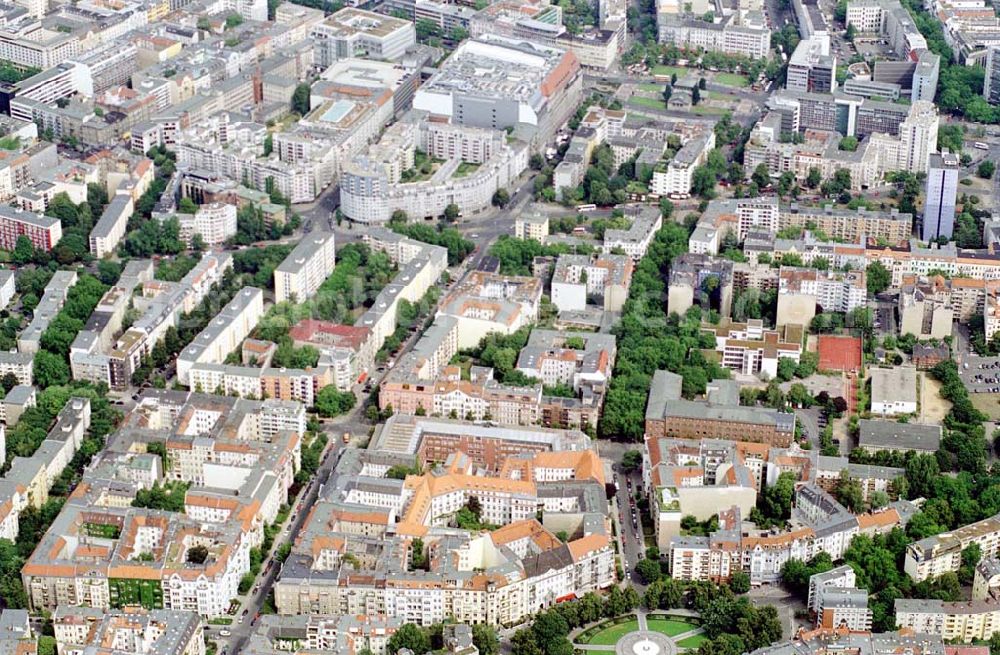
<point x="653" y="103"/>
<point x="661" y="69"/>
<point x="651" y="88"/>
<point x="715" y="95"/>
<point x="609" y="636"/>
<point x="704" y="110"/>
<point x="692" y="642"/>
<point x="669" y="627"/>
<point x="732" y="79"/>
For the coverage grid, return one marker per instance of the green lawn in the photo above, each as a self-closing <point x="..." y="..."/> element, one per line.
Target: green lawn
<point x="465" y="168"/>
<point x="692" y="642"/>
<point x="661" y="69"/>
<point x="715" y="95"/>
<point x="703" y="110"/>
<point x="669" y="627"/>
<point x="652" y="88"/>
<point x="654" y="103"/>
<point x="610" y="636"/>
<point x="732" y="79"/>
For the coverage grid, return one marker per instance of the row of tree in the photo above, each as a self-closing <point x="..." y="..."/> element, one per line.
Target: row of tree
<point x="649" y="339"/>
<point x="424" y="640"/>
<point x="23" y="439"/>
<point x="516" y="255"/>
<point x="51" y="366"/>
<point x="447" y="237"/>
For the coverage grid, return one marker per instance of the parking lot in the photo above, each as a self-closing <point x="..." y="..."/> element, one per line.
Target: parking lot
<point x="981" y="374"/>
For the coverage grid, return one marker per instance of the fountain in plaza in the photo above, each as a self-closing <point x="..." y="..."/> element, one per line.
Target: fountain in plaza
<point x="646" y="647"/>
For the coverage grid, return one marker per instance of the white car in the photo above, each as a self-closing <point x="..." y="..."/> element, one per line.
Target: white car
<point x="225" y="633"/>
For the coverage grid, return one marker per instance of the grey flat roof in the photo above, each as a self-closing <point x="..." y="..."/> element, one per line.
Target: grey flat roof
<point x="897" y="384"/>
<point x="899" y="436"/>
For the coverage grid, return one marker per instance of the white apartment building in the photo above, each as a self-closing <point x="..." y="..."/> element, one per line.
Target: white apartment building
<point x="535" y="227"/>
<point x="20" y="364"/>
<point x="635" y="240"/>
<point x="303" y="271"/>
<point x="32" y="45"/>
<point x="110" y="229"/>
<point x="372" y="188"/>
<point x="839" y="607"/>
<point x="991" y="86"/>
<point x="249" y="9"/>
<point x="890" y="19"/>
<point x="991" y="314"/>
<point x="918" y="136"/>
<point x="674" y="179"/>
<point x="225" y="332"/>
<point x="7" y="287"/>
<point x="934" y="556"/>
<point x="963" y="621"/>
<point x="749" y="349"/>
<point x="579" y="277"/>
<point x="722" y="35"/>
<point x="800" y="290"/>
<point x="215" y="222"/>
<point x="866" y="17"/>
<point x="841" y="576"/>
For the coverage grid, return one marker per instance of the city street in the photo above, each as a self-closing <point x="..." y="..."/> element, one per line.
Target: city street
<point x="632" y="540"/>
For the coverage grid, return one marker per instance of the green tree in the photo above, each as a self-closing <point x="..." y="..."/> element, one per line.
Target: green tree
<point x="631" y="460"/>
<point x="451" y="213"/>
<point x="814" y="178"/>
<point x="950" y="137"/>
<point x="921" y="473"/>
<point x="761" y="177"/>
<point x="485" y="639"/>
<point x="776" y="501"/>
<point x="197" y="554"/>
<point x="739" y="582"/>
<point x="986" y="169"/>
<point x="848" y="492"/>
<point x="523" y="643"/>
<point x="50" y="369"/>
<point x="501" y="198"/>
<point x="409" y="636"/>
<point x="62" y="207"/>
<point x="799" y="395"/>
<point x="703" y="182"/>
<point x="971" y="555"/>
<point x="849" y="143"/>
<point x="24" y="250"/>
<point x="300" y="99"/>
<point x="331" y="402"/>
<point x="187" y="206"/>
<point x="168" y="497"/>
<point x="648" y="570"/>
<point x="786" y="368"/>
<point x="878" y="278"/>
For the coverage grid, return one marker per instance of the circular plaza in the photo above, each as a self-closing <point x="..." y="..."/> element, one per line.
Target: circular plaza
<point x="642" y="634"/>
